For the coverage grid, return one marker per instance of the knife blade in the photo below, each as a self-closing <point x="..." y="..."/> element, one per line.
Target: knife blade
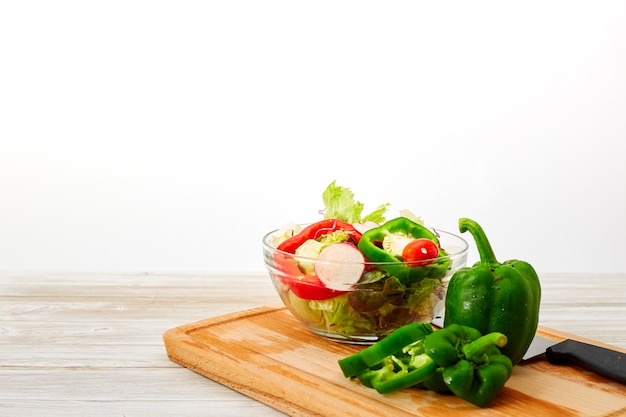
<point x="608" y="363"/>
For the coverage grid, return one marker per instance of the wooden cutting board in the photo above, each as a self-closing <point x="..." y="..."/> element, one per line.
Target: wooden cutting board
<point x="268" y="355"/>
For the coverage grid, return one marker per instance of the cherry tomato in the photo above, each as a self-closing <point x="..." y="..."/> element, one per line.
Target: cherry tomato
<point x="420" y="252"/>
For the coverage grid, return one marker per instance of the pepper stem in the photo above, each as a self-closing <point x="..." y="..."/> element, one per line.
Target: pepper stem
<point x="487" y="256"/>
<point x="476" y="350"/>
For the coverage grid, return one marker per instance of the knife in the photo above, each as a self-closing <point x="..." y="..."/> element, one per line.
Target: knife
<point x="606" y="362"/>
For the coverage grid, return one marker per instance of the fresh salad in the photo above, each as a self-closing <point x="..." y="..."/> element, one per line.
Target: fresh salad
<point x="358" y="274"/>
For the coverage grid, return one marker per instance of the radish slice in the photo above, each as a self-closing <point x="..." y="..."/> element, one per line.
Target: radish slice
<point x="339" y="266"/>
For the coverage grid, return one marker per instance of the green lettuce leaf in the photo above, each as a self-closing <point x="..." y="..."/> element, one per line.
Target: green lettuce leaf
<point x="340" y="204"/>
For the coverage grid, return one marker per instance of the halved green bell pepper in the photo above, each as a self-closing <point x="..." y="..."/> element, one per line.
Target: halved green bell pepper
<point x="495" y="297"/>
<point x="371" y="245"/>
<point x="472" y="366"/>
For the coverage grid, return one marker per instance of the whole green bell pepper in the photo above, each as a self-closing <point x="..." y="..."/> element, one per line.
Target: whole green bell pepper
<point x="456" y="358"/>
<point x="495" y="297"/>
<point x="402" y="228"/>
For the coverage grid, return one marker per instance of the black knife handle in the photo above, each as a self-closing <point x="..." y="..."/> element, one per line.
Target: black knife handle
<point x="608" y="363"/>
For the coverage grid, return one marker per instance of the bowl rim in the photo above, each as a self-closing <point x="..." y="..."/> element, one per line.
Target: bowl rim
<point x="267" y="246"/>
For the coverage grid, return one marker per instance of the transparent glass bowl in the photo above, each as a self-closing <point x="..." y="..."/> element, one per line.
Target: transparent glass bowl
<point x="378" y="304"/>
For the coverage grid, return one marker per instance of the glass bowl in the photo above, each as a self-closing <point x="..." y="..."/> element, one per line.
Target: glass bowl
<point x="377" y="304"/>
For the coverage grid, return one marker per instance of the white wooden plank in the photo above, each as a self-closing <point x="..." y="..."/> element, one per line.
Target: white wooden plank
<point x="226" y="407"/>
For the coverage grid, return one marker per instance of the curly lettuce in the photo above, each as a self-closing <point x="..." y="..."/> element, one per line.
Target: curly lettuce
<point x="340" y="204"/>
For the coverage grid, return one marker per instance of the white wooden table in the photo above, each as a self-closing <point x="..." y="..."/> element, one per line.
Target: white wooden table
<point x="75" y="344"/>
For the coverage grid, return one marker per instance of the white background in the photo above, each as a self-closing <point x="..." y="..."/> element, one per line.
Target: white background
<point x="170" y="136"/>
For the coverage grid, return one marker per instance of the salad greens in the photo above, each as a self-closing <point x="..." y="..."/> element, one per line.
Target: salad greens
<point x="340" y="204"/>
<point x="373" y="299"/>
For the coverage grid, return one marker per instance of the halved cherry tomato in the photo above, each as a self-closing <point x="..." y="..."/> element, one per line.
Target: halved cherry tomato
<point x="420" y="252"/>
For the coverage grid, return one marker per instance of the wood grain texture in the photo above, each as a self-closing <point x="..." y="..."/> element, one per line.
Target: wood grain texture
<point x="77" y="344"/>
<point x="83" y="344"/>
<point x="268" y="355"/>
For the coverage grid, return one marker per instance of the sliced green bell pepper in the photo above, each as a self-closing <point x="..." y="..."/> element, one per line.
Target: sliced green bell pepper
<point x="495" y="297"/>
<point x="390" y="345"/>
<point x="456" y="358"/>
<point x="371" y="245"/>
